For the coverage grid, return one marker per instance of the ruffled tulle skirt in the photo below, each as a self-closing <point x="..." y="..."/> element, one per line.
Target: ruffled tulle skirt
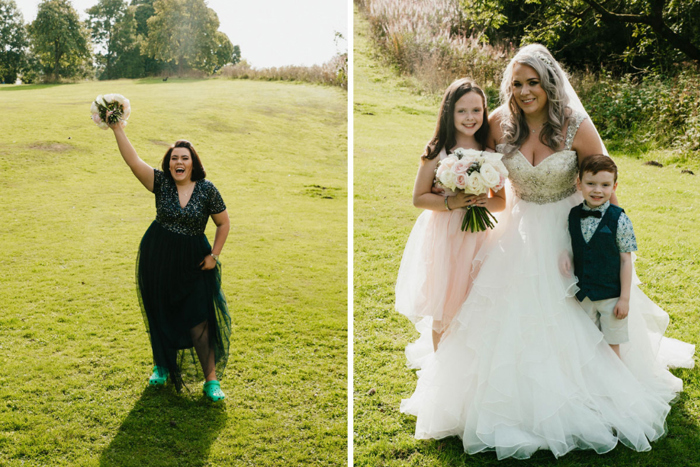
<point x="523" y="368"/>
<point x="436" y="268"/>
<point x="178" y="300"/>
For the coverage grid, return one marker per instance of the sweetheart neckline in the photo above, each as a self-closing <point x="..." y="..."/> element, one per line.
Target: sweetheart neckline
<point x="546" y="158"/>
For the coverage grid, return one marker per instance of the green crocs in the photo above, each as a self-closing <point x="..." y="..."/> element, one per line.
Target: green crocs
<point x="159" y="376"/>
<point x="212" y="389"/>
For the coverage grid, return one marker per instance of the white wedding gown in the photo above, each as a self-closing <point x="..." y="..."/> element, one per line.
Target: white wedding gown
<point x="522" y="367"/>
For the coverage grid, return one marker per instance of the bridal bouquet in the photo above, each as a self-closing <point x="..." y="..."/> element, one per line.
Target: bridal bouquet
<point x="110" y="109"/>
<point x="473" y="172"/>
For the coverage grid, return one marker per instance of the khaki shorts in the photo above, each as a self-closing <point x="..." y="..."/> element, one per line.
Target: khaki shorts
<point x="602" y="313"/>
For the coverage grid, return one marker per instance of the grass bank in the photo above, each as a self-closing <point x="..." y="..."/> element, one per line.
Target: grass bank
<point x="74" y="356"/>
<point x="392" y="125"/>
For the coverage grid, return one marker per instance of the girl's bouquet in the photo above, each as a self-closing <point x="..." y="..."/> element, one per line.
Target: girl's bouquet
<point x="473" y="172"/>
<point x="110" y="109"/>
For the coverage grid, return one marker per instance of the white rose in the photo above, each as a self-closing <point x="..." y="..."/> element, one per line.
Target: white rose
<point x="103" y="125"/>
<point x="440" y="170"/>
<point x="470" y="153"/>
<point x="448" y="178"/>
<point x="492" y="157"/>
<point x="490" y="175"/>
<point x="101" y="101"/>
<point x="109" y="98"/>
<point x="94" y="109"/>
<point x="449" y="161"/>
<point x="475" y="184"/>
<point x="501" y="168"/>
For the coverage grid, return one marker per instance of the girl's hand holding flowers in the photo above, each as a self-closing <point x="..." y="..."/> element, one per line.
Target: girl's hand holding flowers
<point x="473" y="173"/>
<point x="109" y="110"/>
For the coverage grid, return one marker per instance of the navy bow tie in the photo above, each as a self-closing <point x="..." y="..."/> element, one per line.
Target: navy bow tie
<point x="585" y="214"/>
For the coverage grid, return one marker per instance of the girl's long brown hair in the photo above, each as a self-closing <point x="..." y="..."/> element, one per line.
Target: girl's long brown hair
<point x="445" y="133"/>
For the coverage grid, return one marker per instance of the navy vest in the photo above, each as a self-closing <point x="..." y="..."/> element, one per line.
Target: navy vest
<point x="596" y="263"/>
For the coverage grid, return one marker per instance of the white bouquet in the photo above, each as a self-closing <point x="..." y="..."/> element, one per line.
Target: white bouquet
<point x="473" y="172"/>
<point x="109" y="109"/>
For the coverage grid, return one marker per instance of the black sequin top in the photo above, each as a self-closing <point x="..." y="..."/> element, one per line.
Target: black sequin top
<point x="192" y="219"/>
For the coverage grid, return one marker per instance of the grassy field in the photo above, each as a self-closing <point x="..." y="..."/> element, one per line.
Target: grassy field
<point x="392" y="125"/>
<point x="74" y="355"/>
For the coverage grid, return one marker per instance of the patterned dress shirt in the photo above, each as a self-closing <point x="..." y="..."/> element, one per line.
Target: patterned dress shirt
<point x="626" y="241"/>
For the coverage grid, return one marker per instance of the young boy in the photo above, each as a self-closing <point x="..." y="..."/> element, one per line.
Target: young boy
<point x="602" y="239"/>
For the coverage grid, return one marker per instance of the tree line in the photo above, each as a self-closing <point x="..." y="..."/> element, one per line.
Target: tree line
<point x="117" y="40"/>
<point x="621" y="36"/>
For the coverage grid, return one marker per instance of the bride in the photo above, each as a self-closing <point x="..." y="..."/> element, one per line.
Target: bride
<point x="522" y="367"/>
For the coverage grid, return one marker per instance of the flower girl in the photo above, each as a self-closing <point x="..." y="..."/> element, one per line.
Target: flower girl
<point x="436" y="268"/>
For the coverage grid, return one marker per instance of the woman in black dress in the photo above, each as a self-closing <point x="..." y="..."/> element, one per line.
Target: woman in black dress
<point x="178" y="274"/>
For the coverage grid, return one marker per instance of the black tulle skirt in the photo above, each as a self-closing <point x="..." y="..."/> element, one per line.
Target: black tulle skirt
<point x="176" y="296"/>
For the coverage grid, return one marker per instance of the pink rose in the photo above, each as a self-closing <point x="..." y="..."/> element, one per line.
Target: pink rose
<point x="461" y="166"/>
<point x="501" y="183"/>
<point x="461" y="181"/>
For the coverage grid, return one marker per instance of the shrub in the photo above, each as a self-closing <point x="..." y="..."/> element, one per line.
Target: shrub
<point x="332" y="73"/>
<point x="433" y="41"/>
<point x="654" y="109"/>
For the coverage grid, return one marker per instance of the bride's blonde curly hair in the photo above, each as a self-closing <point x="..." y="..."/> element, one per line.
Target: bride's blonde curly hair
<point x="552" y="79"/>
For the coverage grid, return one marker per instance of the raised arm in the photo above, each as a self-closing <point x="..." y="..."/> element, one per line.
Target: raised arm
<point x="141" y="170"/>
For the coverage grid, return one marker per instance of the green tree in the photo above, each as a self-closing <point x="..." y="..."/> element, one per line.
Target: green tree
<point x="143" y="10"/>
<point x="185" y="32"/>
<point x="130" y="63"/>
<point x="13" y="42"/>
<point x="103" y="19"/>
<point x="226" y="53"/>
<point x="60" y="40"/>
<point x="638" y="32"/>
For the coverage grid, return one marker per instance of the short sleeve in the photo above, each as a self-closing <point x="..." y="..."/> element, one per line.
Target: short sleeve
<point x="216" y="202"/>
<point x="626" y="240"/>
<point x="158" y="179"/>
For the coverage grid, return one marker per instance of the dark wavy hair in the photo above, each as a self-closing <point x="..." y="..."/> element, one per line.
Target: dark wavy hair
<point x="597" y="163"/>
<point x="445" y="133"/>
<point x="198" y="172"/>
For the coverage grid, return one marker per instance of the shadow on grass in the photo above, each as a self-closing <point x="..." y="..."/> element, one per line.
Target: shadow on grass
<point x="27" y="87"/>
<point x="171" y="79"/>
<point x="166" y="428"/>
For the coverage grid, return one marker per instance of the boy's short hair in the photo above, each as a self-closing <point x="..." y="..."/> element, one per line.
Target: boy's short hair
<point x="597" y="163"/>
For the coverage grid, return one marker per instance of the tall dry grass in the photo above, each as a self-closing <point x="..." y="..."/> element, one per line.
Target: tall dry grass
<point x="433" y="41"/>
<point x="332" y="73"/>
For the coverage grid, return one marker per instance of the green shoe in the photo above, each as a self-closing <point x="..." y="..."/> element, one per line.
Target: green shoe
<point x="212" y="389"/>
<point x="159" y="376"/>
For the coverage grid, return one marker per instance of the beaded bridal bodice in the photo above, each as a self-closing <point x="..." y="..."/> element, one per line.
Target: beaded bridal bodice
<point x="551" y="180"/>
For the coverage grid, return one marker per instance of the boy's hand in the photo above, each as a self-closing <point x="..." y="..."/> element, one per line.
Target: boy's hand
<point x="622" y="308"/>
<point x="565" y="264"/>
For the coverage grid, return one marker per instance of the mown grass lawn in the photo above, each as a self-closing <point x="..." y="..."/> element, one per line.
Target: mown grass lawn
<point x="74" y="355"/>
<point x="391" y="126"/>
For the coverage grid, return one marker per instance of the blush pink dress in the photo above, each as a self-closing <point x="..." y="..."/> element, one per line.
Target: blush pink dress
<point x="436" y="268"/>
